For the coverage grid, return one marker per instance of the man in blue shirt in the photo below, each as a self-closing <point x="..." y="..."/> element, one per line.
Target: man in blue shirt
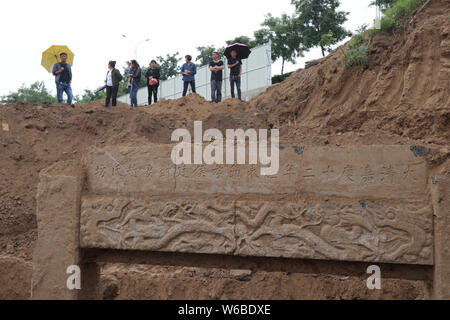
<point x="63" y="78"/>
<point x="188" y="70"/>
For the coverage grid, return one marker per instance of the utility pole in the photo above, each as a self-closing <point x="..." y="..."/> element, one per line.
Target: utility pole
<point x="377" y="23"/>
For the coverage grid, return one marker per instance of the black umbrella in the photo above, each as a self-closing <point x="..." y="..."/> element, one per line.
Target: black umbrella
<point x="243" y="51"/>
<point x="101" y="89"/>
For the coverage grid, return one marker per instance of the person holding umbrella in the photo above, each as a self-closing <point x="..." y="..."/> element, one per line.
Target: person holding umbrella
<point x="113" y="78"/>
<point x="58" y="60"/>
<point x="153" y="74"/>
<point x="63" y="78"/>
<point x="235" y="54"/>
<point x="188" y="70"/>
<point x="235" y="66"/>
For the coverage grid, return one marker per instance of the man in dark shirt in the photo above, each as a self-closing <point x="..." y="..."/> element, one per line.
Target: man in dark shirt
<point x="235" y="66"/>
<point x="63" y="78"/>
<point x="153" y="75"/>
<point x="216" y="66"/>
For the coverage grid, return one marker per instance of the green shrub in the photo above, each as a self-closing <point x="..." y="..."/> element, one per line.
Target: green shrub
<point x="358" y="57"/>
<point x="280" y="77"/>
<point x="406" y="7"/>
<point x="358" y="48"/>
<point x="396" y="15"/>
<point x="388" y="22"/>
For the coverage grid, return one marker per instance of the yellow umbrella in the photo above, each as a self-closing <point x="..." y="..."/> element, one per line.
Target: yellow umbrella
<point x="51" y="56"/>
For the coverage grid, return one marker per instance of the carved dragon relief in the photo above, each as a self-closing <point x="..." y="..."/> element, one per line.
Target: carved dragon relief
<point x="185" y="226"/>
<point x="356" y="232"/>
<point x="400" y="233"/>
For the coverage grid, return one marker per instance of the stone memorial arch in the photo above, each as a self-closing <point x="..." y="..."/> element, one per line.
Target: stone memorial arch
<point x="376" y="204"/>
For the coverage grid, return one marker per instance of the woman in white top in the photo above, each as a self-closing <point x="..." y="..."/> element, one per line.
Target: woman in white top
<point x="113" y="78"/>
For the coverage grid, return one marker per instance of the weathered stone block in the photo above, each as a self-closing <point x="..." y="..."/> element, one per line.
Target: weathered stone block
<point x="158" y="225"/>
<point x="57" y="246"/>
<point x="336" y="230"/>
<point x="441" y="203"/>
<point x="146" y="170"/>
<point x="363" y="171"/>
<point x="392" y="232"/>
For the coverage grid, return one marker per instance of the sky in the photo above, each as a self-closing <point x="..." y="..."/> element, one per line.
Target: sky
<point x="93" y="30"/>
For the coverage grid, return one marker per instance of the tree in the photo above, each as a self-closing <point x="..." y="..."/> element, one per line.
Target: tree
<point x="244" y="40"/>
<point x="317" y="18"/>
<point x="262" y="36"/>
<point x="327" y="41"/>
<point x="143" y="78"/>
<point x="37" y="92"/>
<point x="284" y="36"/>
<point x="169" y="65"/>
<point x="204" y="57"/>
<point x="383" y="4"/>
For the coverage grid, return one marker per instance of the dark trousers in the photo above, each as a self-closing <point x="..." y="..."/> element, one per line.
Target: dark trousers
<point x="186" y="85"/>
<point x="216" y="90"/>
<point x="111" y="93"/>
<point x="152" y="91"/>
<point x="235" y="79"/>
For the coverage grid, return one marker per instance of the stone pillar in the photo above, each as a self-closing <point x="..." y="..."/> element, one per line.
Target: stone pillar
<point x="441" y="203"/>
<point x="57" y="246"/>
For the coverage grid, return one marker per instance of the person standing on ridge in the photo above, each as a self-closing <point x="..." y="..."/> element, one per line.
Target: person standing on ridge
<point x="136" y="74"/>
<point x="113" y="78"/>
<point x="63" y="78"/>
<point x="188" y="70"/>
<point x="235" y="66"/>
<point x="127" y="71"/>
<point x="216" y="66"/>
<point x="153" y="74"/>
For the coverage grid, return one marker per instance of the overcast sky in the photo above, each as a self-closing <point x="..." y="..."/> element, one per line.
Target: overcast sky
<point x="93" y="31"/>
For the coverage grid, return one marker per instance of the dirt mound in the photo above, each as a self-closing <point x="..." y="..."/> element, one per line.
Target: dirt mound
<point x="402" y="97"/>
<point x="195" y="107"/>
<point x="403" y="93"/>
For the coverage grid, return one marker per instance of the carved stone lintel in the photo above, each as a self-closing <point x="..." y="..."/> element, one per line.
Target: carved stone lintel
<point x="392" y="172"/>
<point x="395" y="232"/>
